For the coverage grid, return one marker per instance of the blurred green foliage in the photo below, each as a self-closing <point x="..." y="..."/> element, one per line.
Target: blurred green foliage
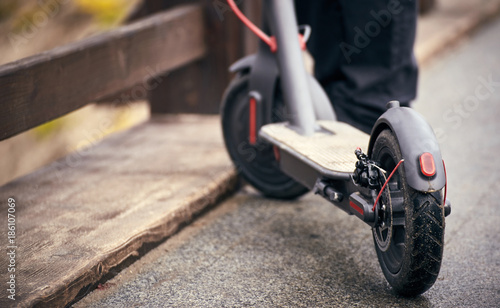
<point x="48" y="129"/>
<point x="107" y="12"/>
<point x="20" y="16"/>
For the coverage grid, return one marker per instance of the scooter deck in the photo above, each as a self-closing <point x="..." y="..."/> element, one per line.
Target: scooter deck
<point x="331" y="148"/>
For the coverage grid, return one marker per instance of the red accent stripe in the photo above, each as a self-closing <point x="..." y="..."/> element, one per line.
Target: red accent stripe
<point x="302" y="42"/>
<point x="356" y="207"/>
<point x="252" y="125"/>
<point x="276" y="152"/>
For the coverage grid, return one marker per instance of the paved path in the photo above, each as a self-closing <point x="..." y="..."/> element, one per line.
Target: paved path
<point x="252" y="251"/>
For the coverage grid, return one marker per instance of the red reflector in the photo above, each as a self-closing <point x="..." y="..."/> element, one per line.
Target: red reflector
<point x="427" y="165"/>
<point x="252" y="121"/>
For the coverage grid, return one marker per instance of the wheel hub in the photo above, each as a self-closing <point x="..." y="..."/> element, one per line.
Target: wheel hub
<point x="383" y="230"/>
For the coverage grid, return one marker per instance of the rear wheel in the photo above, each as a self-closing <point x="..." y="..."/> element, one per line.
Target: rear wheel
<point x="256" y="163"/>
<point x="409" y="241"/>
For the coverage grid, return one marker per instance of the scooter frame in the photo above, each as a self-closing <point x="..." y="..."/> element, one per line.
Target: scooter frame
<point x="307" y="102"/>
<point x="279" y="62"/>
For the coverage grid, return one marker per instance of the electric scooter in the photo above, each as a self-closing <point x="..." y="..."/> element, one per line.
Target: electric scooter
<point x="281" y="132"/>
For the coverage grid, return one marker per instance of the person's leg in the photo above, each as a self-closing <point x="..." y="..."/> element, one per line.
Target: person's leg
<point x="325" y="19"/>
<point x="364" y="54"/>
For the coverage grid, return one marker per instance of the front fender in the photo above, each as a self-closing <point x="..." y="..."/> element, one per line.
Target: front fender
<point x="244" y="63"/>
<point x="415" y="137"/>
<point x="265" y="75"/>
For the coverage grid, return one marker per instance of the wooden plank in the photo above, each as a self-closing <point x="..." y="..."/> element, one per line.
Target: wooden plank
<point x="43" y="87"/>
<point x="84" y="214"/>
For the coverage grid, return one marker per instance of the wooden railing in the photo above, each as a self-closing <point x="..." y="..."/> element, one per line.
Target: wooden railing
<point x="187" y="47"/>
<point x="179" y="56"/>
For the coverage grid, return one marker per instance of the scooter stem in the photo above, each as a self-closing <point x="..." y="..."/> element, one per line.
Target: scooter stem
<point x="293" y="75"/>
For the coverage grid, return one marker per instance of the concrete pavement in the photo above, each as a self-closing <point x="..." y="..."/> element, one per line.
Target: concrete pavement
<point x="448" y="23"/>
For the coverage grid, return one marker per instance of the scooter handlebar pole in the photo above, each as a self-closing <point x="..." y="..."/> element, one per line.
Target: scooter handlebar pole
<point x="293" y="75"/>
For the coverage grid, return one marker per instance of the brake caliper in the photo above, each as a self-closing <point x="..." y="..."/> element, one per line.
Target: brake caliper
<point x="367" y="172"/>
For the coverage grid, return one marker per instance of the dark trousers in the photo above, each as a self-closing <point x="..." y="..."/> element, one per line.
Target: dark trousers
<point x="364" y="54"/>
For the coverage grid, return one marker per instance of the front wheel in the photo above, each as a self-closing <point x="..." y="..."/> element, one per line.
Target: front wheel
<point x="255" y="162"/>
<point x="409" y="240"/>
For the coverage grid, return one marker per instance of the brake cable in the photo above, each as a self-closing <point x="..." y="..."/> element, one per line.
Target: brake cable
<point x="385" y="184"/>
<point x="271" y="41"/>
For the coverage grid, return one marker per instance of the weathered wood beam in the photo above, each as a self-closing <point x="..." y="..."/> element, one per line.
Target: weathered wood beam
<point x="88" y="212"/>
<point x="43" y="87"/>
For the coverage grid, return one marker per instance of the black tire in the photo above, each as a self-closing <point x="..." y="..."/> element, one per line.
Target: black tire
<point x="411" y="259"/>
<point x="255" y="163"/>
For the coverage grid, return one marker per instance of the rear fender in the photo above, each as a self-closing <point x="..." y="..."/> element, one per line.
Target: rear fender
<point x="415" y="137"/>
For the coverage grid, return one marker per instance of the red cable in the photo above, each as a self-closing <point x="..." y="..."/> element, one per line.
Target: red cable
<point x="271" y="41"/>
<point x="445" y="183"/>
<point x="385" y="184"/>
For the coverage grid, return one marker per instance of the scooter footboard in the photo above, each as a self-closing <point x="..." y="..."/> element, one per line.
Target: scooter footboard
<point x="328" y="153"/>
